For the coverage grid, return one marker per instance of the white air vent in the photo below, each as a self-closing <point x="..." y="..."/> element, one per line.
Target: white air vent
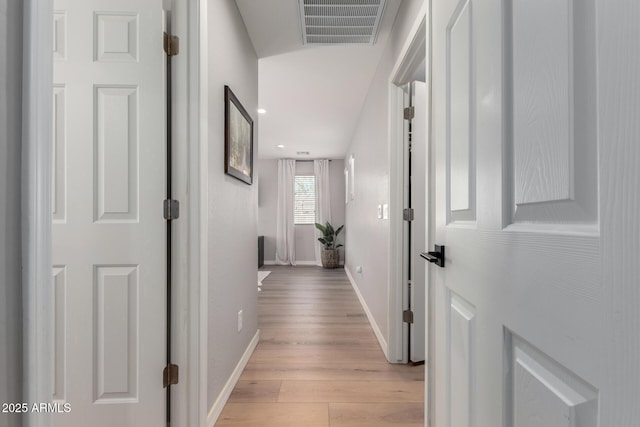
<point x="340" y="21"/>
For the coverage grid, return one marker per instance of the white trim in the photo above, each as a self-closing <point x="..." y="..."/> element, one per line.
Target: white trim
<point x="300" y="263"/>
<point x="411" y="55"/>
<point x="306" y="263"/>
<point x="372" y="320"/>
<point x="218" y="405"/>
<point x="200" y="208"/>
<point x="407" y="58"/>
<point x="398" y="331"/>
<point x="189" y="406"/>
<point x="37" y="129"/>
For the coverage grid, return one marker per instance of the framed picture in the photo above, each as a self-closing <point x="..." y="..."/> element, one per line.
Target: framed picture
<point x="238" y="139"/>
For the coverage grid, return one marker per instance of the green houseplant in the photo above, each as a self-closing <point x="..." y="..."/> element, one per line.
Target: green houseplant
<point x="330" y="254"/>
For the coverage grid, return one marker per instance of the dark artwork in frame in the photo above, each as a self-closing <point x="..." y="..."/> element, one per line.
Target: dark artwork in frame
<point x="238" y="139"/>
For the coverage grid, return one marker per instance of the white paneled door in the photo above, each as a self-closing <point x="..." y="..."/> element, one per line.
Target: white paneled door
<point x="108" y="228"/>
<point x="520" y="304"/>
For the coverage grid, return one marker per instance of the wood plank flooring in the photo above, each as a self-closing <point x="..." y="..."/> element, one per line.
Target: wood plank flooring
<point x="318" y="362"/>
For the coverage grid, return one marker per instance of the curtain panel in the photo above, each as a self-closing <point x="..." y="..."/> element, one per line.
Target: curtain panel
<point x="285" y="237"/>
<point x="323" y="200"/>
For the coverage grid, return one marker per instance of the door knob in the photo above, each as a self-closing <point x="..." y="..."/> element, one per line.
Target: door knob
<point x="436" y="256"/>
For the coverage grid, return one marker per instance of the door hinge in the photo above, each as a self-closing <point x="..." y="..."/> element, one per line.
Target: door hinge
<point x="407" y="316"/>
<point x="409" y="113"/>
<point x="170" y="375"/>
<point x="171" y="209"/>
<point x="171" y="44"/>
<point x="407" y="214"/>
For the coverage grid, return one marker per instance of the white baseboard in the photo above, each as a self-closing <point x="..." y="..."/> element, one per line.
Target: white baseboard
<point x="287" y="265"/>
<point x="218" y="405"/>
<point x="372" y="321"/>
<point x="315" y="263"/>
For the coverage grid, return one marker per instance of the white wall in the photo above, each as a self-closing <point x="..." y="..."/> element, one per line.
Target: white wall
<point x="10" y="247"/>
<point x="232" y="204"/>
<point x="367" y="235"/>
<point x="305" y="234"/>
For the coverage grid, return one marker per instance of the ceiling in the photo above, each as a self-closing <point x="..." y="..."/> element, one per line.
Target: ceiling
<point x="313" y="94"/>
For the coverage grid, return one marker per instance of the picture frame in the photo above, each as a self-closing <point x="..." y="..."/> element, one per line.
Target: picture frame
<point x="238" y="139"/>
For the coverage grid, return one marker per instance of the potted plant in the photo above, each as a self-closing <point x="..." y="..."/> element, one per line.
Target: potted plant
<point x="330" y="255"/>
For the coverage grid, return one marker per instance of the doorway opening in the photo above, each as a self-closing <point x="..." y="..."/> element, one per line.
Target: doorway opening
<point x="411" y="188"/>
<point x="114" y="40"/>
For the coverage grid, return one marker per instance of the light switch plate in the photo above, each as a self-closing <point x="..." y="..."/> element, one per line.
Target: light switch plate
<point x="385" y="211"/>
<point x="379" y="211"/>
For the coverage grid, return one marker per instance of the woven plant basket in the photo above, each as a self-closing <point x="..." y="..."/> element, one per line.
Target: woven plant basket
<point x="330" y="258"/>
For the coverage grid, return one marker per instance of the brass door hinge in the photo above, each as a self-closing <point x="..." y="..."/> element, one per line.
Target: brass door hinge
<point x="171" y="44"/>
<point x="170" y="375"/>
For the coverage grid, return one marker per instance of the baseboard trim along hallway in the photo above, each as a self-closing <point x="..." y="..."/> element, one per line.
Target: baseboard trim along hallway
<point x="218" y="405"/>
<point x="372" y="320"/>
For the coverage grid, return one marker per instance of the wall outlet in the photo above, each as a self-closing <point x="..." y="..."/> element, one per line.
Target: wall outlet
<point x="239" y="320"/>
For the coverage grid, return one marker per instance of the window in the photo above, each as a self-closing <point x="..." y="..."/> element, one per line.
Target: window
<point x="304" y="209"/>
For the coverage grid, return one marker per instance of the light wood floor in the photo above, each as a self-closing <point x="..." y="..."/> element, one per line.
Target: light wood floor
<point x="318" y="362"/>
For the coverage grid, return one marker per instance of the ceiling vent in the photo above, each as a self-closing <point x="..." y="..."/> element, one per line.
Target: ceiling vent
<point x="340" y="21"/>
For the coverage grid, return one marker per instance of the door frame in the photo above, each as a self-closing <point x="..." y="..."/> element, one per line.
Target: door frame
<point x="417" y="47"/>
<point x="37" y="280"/>
<point x="411" y="56"/>
<point x="190" y="251"/>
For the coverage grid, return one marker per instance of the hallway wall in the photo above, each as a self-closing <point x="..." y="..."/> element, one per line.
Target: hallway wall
<point x="232" y="204"/>
<point x="368" y="236"/>
<point x="10" y="237"/>
<point x="305" y="234"/>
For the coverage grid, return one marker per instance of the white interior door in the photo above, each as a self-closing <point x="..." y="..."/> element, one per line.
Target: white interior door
<point x="418" y="193"/>
<point x="108" y="232"/>
<point x="520" y="304"/>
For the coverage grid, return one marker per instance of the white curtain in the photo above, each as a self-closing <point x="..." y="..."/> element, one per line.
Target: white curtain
<point x="323" y="200"/>
<point x="285" y="239"/>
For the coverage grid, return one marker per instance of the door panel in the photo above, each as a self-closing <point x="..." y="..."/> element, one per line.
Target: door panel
<point x="519" y="307"/>
<point x="109" y="233"/>
<point x="541" y="392"/>
<point x="418" y="156"/>
<point x="554" y="111"/>
<point x="459" y="140"/>
<point x="461" y="354"/>
<point x="59" y="325"/>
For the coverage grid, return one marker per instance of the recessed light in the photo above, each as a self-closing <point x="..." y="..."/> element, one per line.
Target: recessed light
<point x="280" y="146"/>
<point x="262" y="111"/>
